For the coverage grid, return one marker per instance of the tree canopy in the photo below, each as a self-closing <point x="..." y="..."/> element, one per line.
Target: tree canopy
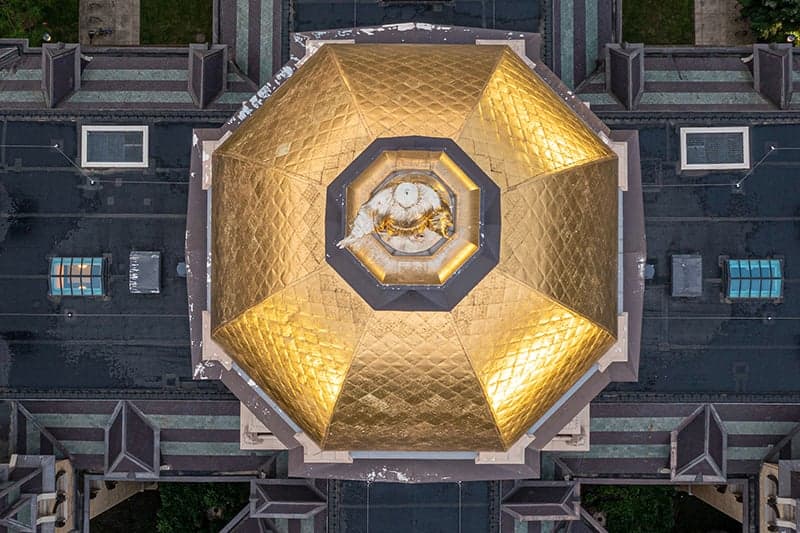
<point x="773" y="20"/>
<point x="199" y="507"/>
<point x="632" y="508"/>
<point x="27" y="19"/>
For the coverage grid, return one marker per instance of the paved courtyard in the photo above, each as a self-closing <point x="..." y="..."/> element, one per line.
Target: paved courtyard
<point x="718" y="23"/>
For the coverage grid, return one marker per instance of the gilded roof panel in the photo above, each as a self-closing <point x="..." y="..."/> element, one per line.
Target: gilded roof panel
<point x="424" y="90"/>
<point x="309" y="127"/>
<point x="521" y="128"/>
<point x="354" y="378"/>
<point x="526" y="349"/>
<point x="411" y="386"/>
<point x="298" y="344"/>
<point x="265" y="236"/>
<point x="559" y="236"/>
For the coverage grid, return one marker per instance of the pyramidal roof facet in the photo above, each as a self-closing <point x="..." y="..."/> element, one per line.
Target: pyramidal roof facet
<point x="476" y="377"/>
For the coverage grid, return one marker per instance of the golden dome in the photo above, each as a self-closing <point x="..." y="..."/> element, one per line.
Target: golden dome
<point x="475" y="377"/>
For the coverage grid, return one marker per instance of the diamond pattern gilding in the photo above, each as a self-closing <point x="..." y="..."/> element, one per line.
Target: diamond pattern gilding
<point x="410" y="386"/>
<point x="297" y="345"/>
<point x="526" y="349"/>
<point x="310" y="127"/>
<point x="267" y="233"/>
<point x="472" y="379"/>
<point x="522" y="129"/>
<point x="559" y="236"/>
<point x="416" y="89"/>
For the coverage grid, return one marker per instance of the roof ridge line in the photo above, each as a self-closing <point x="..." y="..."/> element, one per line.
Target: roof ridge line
<point x="264" y="299"/>
<point x="277" y="170"/>
<point x="501" y="270"/>
<point x="344" y="379"/>
<point x="548" y="173"/>
<point x="474" y="109"/>
<point x="350" y="93"/>
<point x="485" y="394"/>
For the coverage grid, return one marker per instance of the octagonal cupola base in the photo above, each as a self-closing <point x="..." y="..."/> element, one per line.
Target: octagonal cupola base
<point x="435" y="280"/>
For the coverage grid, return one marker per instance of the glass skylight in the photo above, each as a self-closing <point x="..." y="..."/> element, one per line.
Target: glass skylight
<point x="751" y="279"/>
<point x="76" y="276"/>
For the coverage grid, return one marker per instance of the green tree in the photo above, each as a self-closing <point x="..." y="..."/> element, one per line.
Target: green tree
<point x="773" y="20"/>
<point x="19" y="17"/>
<point x="31" y="19"/>
<point x="199" y="507"/>
<point x="632" y="508"/>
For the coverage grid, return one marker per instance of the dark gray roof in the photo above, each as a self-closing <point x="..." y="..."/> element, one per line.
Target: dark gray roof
<point x="634" y="439"/>
<point x="257" y="34"/>
<point x="625" y="73"/>
<point x="82" y="80"/>
<point x="576" y="33"/>
<point x="131" y="443"/>
<point x="469" y="507"/>
<point x="285" y="498"/>
<point x="680" y="80"/>
<point x="208" y="72"/>
<point x="160" y="437"/>
<point x="772" y="69"/>
<point x="699" y="447"/>
<point x="9" y="55"/>
<point x="24" y="481"/>
<point x="541" y="502"/>
<point x="61" y="71"/>
<point x="125" y="341"/>
<point x="520" y="15"/>
<point x="704" y="345"/>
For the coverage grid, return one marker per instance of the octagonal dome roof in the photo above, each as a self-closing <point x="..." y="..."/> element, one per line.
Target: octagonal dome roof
<point x="475" y="377"/>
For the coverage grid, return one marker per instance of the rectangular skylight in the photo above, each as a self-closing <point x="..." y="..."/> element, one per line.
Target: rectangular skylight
<point x="754" y="279"/>
<point x="114" y="146"/>
<point x="724" y="148"/>
<point x="76" y="276"/>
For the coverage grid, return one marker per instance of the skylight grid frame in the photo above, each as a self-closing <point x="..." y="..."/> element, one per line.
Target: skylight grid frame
<point x="754" y="279"/>
<point x="87" y="130"/>
<point x="744" y="131"/>
<point x="77" y="276"/>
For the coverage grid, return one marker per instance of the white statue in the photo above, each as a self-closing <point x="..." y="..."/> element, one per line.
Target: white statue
<point x="406" y="210"/>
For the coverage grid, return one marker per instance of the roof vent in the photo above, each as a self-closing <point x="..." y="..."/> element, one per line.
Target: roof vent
<point x="687" y="276"/>
<point x="144" y="272"/>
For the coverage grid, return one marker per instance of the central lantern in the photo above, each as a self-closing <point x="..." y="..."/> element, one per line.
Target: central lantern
<point x="417" y="216"/>
<point x="414" y="247"/>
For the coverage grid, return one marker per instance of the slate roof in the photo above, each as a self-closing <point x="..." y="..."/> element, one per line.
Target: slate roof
<point x="700" y="80"/>
<point x="144" y="79"/>
<point x="132" y="443"/>
<point x="699" y="447"/>
<point x="193" y="436"/>
<point x="634" y="439"/>
<point x="578" y="32"/>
